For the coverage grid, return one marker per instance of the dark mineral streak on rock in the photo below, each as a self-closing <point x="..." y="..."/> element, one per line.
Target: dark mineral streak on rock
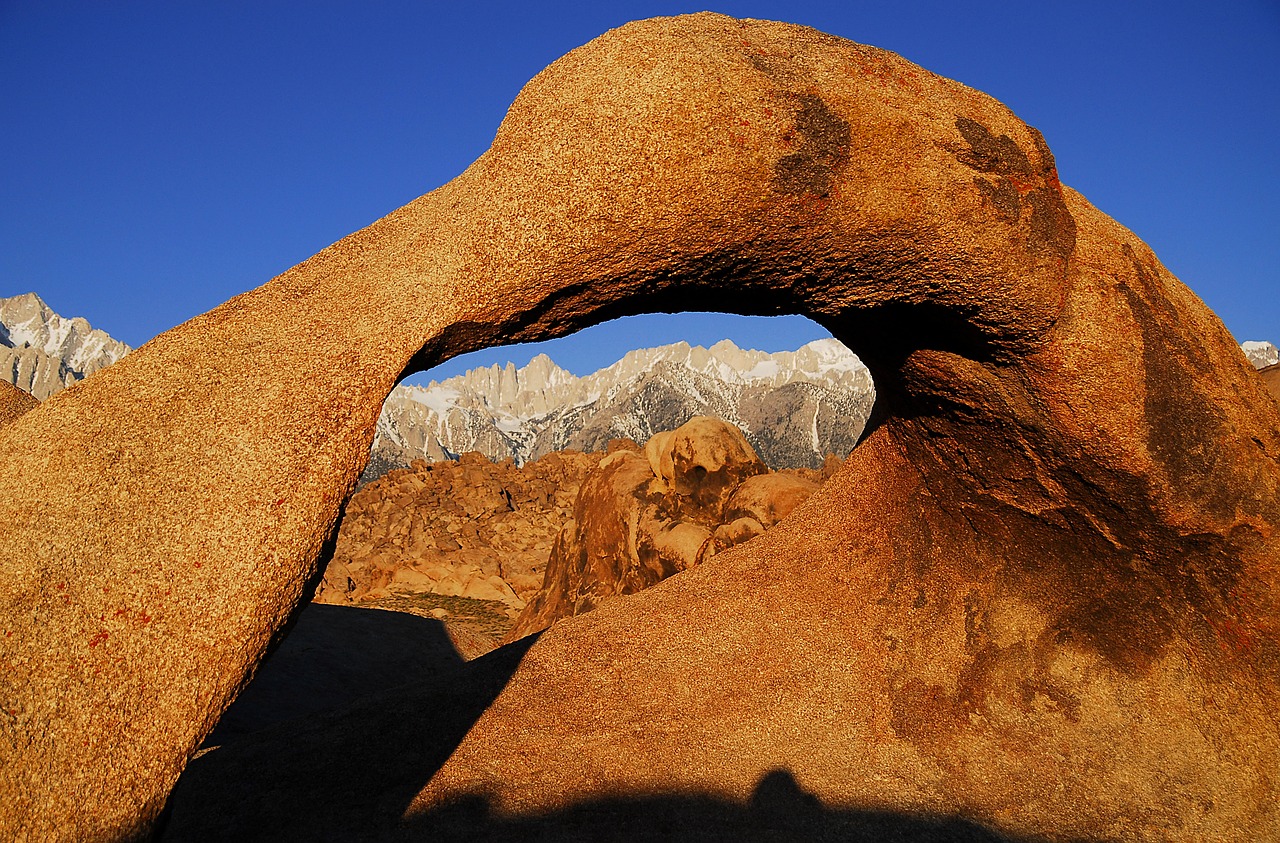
<point x="990" y="154"/>
<point x="1018" y="185"/>
<point x="824" y="151"/>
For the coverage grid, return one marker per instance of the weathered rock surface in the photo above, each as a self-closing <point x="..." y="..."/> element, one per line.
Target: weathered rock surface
<point x="1040" y="595"/>
<point x="640" y="518"/>
<point x="13" y="402"/>
<point x="1271" y="377"/>
<point x="470" y="528"/>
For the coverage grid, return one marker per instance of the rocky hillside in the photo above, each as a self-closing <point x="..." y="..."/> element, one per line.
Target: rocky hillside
<point x="793" y="406"/>
<point x="43" y="353"/>
<point x="554" y="537"/>
<point x="471" y="528"/>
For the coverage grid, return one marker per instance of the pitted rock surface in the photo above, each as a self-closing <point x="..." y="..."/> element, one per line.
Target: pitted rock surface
<point x="1040" y="595"/>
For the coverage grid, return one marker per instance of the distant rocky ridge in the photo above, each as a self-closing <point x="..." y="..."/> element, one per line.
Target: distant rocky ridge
<point x="794" y="407"/>
<point x="43" y="353"/>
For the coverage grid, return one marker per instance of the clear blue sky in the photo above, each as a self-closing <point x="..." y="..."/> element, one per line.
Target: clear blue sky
<point x="160" y="157"/>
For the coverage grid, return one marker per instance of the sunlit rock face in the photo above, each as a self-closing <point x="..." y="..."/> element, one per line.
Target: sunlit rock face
<point x="13" y="402"/>
<point x="1040" y="595"/>
<point x="643" y="515"/>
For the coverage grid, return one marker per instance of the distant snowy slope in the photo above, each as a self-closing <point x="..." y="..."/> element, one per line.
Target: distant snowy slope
<point x="1260" y="354"/>
<point x="822" y="389"/>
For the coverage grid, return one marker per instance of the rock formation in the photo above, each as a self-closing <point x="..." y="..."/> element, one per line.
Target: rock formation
<point x="1040" y="595"/>
<point x="642" y="517"/>
<point x="470" y="528"/>
<point x="43" y="353"/>
<point x="1271" y="377"/>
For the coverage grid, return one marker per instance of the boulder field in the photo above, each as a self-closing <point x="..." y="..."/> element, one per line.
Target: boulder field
<point x="471" y="528"/>
<point x="1038" y="599"/>
<point x="555" y="536"/>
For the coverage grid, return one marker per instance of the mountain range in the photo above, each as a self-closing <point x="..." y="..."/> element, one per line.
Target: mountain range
<point x="794" y="407"/>
<point x="43" y="353"/>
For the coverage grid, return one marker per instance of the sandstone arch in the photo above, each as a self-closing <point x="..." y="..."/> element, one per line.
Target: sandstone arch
<point x="1042" y="593"/>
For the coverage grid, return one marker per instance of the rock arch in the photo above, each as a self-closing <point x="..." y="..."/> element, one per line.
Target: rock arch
<point x="1042" y="592"/>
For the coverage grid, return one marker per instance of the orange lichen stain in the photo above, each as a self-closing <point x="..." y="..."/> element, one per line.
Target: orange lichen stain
<point x="1024" y="187"/>
<point x="1234" y="636"/>
<point x="99" y="638"/>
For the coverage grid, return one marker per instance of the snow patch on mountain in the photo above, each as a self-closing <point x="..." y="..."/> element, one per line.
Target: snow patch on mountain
<point x="43" y="353"/>
<point x="1260" y="354"/>
<point x="523" y="413"/>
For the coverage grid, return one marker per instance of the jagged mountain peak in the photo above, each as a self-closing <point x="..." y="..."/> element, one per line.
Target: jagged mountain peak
<point x="522" y="413"/>
<point x="1260" y="354"/>
<point x="42" y="352"/>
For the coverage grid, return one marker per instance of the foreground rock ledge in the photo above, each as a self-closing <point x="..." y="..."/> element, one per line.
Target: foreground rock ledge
<point x="1041" y="594"/>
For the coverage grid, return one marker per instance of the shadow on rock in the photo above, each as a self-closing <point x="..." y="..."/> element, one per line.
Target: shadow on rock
<point x="331" y="657"/>
<point x="342" y="774"/>
<point x="778" y="810"/>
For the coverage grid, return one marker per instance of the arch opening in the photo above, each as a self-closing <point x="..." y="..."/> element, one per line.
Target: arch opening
<point x="474" y="478"/>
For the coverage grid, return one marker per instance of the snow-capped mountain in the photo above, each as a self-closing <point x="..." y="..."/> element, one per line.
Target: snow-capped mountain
<point x="794" y="406"/>
<point x="1260" y="354"/>
<point x="43" y="353"/>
